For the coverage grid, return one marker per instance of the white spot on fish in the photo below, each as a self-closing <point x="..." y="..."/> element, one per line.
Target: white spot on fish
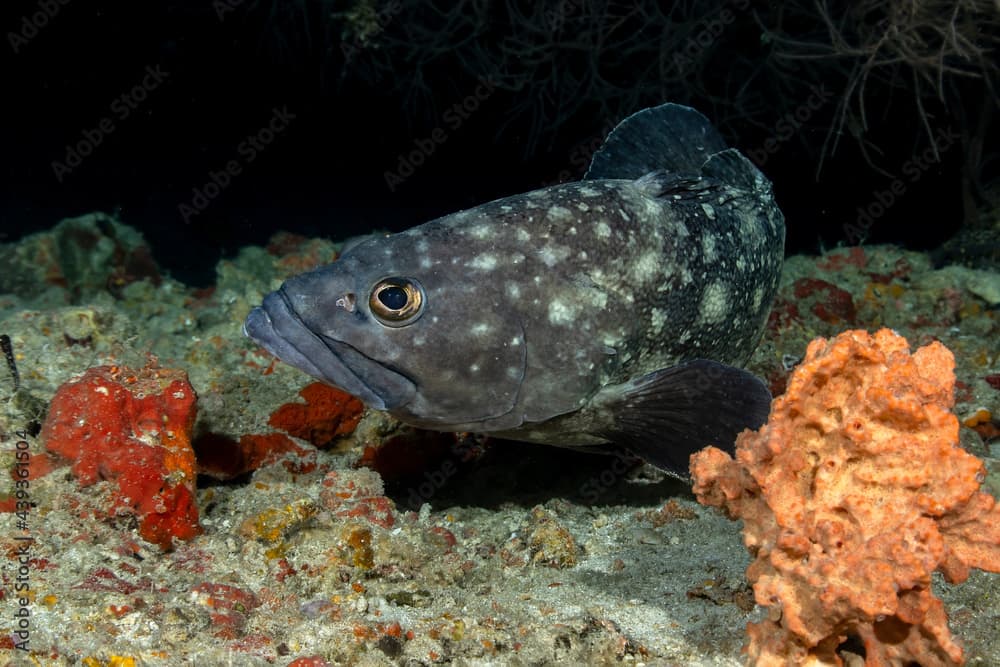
<point x="552" y="255"/>
<point x="522" y="235"/>
<point x="686" y="276"/>
<point x="425" y="262"/>
<point x="484" y="262"/>
<point x="513" y="372"/>
<point x="714" y="306"/>
<point x="559" y="214"/>
<point x="474" y="368"/>
<point x="480" y="231"/>
<point x="582" y="206"/>
<point x="480" y="329"/>
<point x="602" y="230"/>
<point x="652" y="208"/>
<point x="656" y="319"/>
<point x="515" y="341"/>
<point x="611" y="345"/>
<point x="513" y="290"/>
<point x="598" y="300"/>
<point x="708" y="247"/>
<point x="647" y="265"/>
<point x="561" y="312"/>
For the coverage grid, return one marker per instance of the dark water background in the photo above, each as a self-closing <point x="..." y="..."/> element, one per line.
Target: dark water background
<point x="181" y="87"/>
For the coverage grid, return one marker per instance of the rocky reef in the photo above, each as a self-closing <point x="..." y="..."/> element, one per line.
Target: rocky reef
<point x="273" y="521"/>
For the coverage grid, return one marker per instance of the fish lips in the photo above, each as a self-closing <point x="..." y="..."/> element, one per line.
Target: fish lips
<point x="276" y="327"/>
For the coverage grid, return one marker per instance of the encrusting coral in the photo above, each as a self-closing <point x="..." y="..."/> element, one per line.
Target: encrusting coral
<point x="851" y="495"/>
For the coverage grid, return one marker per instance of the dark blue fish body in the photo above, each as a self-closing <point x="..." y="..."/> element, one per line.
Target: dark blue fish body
<point x="608" y="312"/>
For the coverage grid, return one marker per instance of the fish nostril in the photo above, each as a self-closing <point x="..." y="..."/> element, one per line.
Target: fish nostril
<point x="347" y="302"/>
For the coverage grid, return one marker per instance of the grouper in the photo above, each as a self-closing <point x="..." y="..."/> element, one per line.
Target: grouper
<point x="610" y="313"/>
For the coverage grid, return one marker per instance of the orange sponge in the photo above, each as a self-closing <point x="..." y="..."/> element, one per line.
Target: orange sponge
<point x="852" y="494"/>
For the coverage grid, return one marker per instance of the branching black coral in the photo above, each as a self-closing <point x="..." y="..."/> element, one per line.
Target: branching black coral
<point x="926" y="50"/>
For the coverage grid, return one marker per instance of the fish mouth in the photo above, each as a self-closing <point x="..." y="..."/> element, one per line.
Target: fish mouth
<point x="278" y="328"/>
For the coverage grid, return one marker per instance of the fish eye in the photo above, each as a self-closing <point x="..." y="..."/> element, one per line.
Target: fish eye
<point x="396" y="302"/>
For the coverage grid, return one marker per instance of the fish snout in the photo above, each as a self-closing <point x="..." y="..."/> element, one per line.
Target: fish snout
<point x="277" y="326"/>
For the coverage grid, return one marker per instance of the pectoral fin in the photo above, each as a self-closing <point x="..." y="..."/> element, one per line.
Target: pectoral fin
<point x="667" y="415"/>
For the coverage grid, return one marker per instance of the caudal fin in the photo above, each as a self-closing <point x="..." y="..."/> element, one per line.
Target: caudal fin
<point x="669" y="137"/>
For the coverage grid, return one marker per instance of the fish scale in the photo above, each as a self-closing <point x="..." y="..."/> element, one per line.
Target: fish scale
<point x="612" y="312"/>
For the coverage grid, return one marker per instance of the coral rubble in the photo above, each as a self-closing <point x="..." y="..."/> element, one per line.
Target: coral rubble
<point x="852" y="494"/>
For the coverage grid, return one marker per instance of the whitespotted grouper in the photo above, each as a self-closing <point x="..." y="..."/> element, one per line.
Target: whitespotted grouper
<point x="606" y="313"/>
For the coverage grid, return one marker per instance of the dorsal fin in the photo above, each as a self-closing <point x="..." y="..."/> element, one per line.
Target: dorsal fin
<point x="733" y="168"/>
<point x="669" y="137"/>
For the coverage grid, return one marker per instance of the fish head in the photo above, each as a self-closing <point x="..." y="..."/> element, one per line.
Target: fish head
<point x="399" y="323"/>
